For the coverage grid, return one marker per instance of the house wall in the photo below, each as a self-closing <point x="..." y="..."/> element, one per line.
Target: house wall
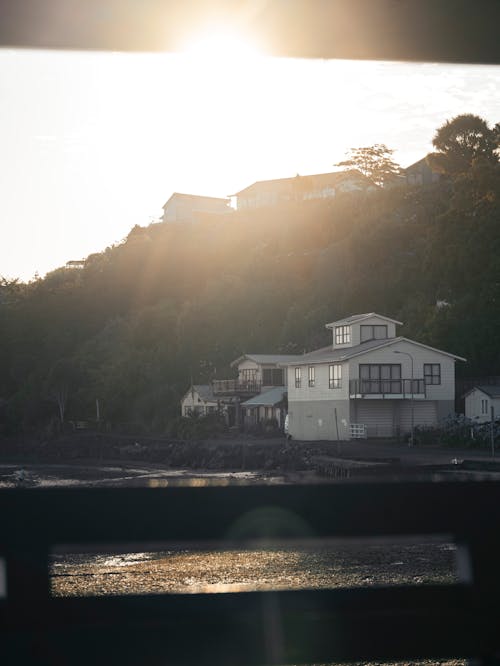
<point x="473" y="406"/>
<point x="311" y="420"/>
<point x="259" y="376"/>
<point x="185" y="209"/>
<point x="356" y="331"/>
<point x="320" y="390"/>
<point x="444" y="391"/>
<point x="196" y="404"/>
<point x="249" y="365"/>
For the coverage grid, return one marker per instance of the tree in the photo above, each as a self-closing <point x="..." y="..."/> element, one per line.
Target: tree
<point x="375" y="162"/>
<point x="461" y="141"/>
<point x="62" y="377"/>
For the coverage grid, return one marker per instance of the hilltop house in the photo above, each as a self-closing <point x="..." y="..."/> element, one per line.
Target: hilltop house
<point x="256" y="395"/>
<point x="300" y="188"/>
<point x="189" y="207"/>
<point x="368" y="382"/>
<point x="420" y="173"/>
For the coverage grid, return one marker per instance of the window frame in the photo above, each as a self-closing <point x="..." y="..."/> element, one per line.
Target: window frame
<point x="311" y="376"/>
<point x="335" y="376"/>
<point x="342" y="334"/>
<point x="298" y="377"/>
<point x="379" y="381"/>
<point x="373" y="336"/>
<point x="430" y="376"/>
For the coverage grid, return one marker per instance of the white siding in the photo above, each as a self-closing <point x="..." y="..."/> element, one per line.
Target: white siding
<point x="473" y="406"/>
<point x="193" y="402"/>
<point x="356" y="330"/>
<point x="250" y="365"/>
<point x="320" y="390"/>
<point x="421" y="355"/>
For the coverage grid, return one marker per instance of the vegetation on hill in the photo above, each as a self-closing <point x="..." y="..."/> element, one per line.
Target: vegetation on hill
<point x="174" y="302"/>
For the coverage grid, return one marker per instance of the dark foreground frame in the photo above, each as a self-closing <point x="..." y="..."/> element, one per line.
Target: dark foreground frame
<point x="423" y="30"/>
<point x="461" y="620"/>
<point x="307" y="626"/>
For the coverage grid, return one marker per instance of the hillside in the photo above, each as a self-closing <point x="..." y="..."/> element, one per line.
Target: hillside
<point x="173" y="302"/>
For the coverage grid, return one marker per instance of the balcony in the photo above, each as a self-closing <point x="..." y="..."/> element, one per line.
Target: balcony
<point x="226" y="387"/>
<point x="387" y="388"/>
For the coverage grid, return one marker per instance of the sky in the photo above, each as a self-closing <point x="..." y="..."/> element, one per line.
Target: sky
<point x="94" y="143"/>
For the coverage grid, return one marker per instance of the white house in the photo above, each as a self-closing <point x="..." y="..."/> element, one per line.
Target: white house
<point x="300" y="188"/>
<point x="479" y="401"/>
<point x="199" y="400"/>
<point x="188" y="207"/>
<point x="368" y="382"/>
<point x="250" y="398"/>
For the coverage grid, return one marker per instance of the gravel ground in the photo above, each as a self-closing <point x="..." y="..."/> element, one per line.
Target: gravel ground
<point x="197" y="570"/>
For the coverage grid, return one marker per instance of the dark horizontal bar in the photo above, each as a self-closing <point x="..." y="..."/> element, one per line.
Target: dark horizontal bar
<point x="262" y="627"/>
<point x="73" y="515"/>
<point x="422" y="30"/>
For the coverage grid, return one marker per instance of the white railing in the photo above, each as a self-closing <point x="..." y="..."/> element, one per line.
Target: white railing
<point x="358" y="431"/>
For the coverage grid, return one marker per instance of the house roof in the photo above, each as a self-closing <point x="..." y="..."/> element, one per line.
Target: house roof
<point x="317" y="180"/>
<point x="263" y="359"/>
<point x="266" y="398"/>
<point x="492" y="391"/>
<point x="328" y="354"/>
<point x="417" y="166"/>
<point x="360" y="317"/>
<point x="194" y="197"/>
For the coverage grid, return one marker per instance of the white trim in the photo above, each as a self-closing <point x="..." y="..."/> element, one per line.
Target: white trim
<point x="354" y="319"/>
<point x="385" y="343"/>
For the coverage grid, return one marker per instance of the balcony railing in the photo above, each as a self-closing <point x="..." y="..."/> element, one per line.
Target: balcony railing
<point x="235" y="387"/>
<point x="400" y="387"/>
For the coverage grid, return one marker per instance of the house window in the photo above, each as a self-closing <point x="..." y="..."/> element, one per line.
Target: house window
<point x="484" y="406"/>
<point x="187" y="411"/>
<point x="248" y="376"/>
<point x="298" y="377"/>
<point x="432" y="373"/>
<point x="335" y="376"/>
<point x="273" y="377"/>
<point x="342" y="334"/>
<point x="312" y="375"/>
<point x="373" y="332"/>
<point x="380" y="378"/>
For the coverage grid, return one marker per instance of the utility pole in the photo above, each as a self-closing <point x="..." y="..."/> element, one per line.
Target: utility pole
<point x="412" y="408"/>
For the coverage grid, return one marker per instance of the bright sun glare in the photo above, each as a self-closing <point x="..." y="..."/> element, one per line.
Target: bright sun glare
<point x="221" y="44"/>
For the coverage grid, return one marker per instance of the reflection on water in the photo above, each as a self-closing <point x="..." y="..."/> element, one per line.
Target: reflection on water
<point x="198" y="570"/>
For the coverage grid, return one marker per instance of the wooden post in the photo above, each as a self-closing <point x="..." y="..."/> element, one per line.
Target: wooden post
<point x="492" y="431"/>
<point x="339" y="448"/>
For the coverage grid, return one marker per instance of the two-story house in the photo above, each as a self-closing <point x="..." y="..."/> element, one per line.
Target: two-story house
<point x="255" y="396"/>
<point x="368" y="382"/>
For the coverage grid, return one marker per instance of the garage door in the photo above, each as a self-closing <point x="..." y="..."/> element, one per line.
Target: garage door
<point x="425" y="414"/>
<point x="378" y="417"/>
